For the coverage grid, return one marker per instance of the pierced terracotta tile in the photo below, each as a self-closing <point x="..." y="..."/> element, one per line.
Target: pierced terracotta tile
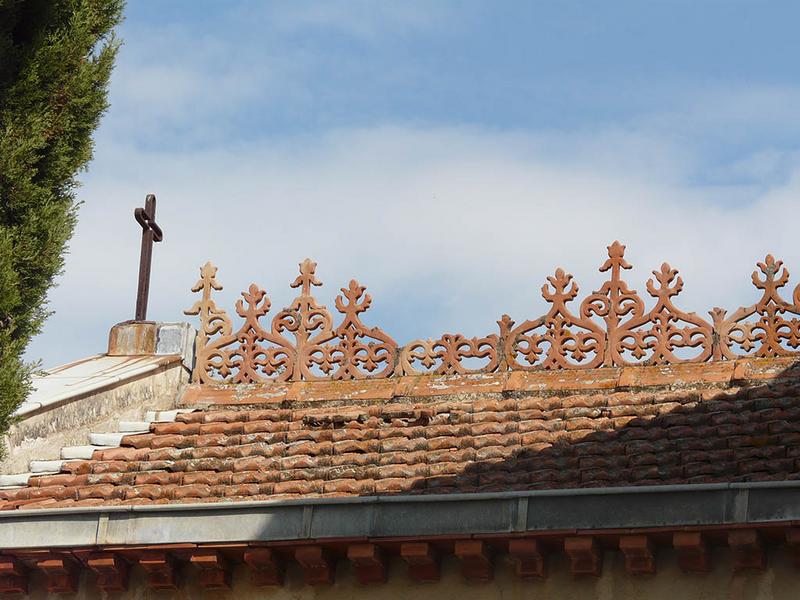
<point x="112" y="571"/>
<point x="639" y="554"/>
<point x="369" y="563"/>
<point x="748" y="550"/>
<point x="13" y="576"/>
<point x="529" y="558"/>
<point x="585" y="555"/>
<point x="62" y="574"/>
<point x="214" y="569"/>
<point x="267" y="566"/>
<point x="692" y="551"/>
<point x="423" y="561"/>
<point x="476" y="560"/>
<point x="319" y="566"/>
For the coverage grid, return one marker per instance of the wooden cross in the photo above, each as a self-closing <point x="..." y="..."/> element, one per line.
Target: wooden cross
<point x="151" y="232"/>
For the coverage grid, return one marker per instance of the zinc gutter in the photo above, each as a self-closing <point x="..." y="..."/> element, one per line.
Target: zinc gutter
<point x="673" y="506"/>
<point x="400" y="498"/>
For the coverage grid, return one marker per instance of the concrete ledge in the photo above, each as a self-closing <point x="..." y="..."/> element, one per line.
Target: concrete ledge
<point x="146" y="367"/>
<point x="405" y="516"/>
<point x="86" y="396"/>
<point x="88" y="377"/>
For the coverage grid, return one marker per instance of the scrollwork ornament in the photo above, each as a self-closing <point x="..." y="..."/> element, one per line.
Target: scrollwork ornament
<point x="446" y="355"/>
<point x="360" y="352"/>
<point x="766" y="329"/>
<point x="239" y="357"/>
<point x="657" y="334"/>
<point x="559" y="339"/>
<point x="213" y="322"/>
<point x="310" y="323"/>
<point x="612" y="303"/>
<point x="610" y="328"/>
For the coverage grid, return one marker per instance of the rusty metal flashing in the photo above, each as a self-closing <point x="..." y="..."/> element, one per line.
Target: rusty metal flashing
<point x="611" y="327"/>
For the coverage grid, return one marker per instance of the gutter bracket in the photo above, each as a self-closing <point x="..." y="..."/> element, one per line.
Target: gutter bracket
<point x="521" y="523"/>
<point x="102" y="529"/>
<point x="308" y="515"/>
<point x="741" y="505"/>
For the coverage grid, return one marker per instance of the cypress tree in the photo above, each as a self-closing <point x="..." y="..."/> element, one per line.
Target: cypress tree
<point x="56" y="58"/>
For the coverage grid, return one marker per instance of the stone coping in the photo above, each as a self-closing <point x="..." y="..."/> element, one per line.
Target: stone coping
<point x="87" y="376"/>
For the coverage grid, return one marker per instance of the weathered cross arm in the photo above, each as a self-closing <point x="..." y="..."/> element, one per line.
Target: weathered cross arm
<point x="151" y="232"/>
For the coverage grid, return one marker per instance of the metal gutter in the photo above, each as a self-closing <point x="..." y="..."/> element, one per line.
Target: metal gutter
<point x="394" y="516"/>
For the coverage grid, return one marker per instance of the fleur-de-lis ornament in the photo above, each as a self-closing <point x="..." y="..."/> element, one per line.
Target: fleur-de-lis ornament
<point x="610" y="327"/>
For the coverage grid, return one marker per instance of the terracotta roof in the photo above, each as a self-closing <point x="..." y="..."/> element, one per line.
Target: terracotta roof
<point x="375" y="450"/>
<point x="447" y="438"/>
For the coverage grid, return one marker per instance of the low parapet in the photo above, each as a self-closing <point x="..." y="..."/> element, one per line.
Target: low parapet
<point x="146" y="366"/>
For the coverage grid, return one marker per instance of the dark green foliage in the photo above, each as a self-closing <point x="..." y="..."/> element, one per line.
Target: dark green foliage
<point x="56" y="57"/>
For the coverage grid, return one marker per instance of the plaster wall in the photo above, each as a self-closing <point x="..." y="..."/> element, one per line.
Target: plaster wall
<point x="778" y="582"/>
<point x="41" y="436"/>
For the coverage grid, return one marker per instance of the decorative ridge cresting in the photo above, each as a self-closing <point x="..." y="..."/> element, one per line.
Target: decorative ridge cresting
<point x="611" y="327"/>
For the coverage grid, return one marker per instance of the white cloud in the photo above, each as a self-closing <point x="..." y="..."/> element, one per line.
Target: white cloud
<point x="448" y="228"/>
<point x="265" y="61"/>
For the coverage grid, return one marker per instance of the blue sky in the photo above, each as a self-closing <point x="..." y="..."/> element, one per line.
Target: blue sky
<point x="447" y="154"/>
